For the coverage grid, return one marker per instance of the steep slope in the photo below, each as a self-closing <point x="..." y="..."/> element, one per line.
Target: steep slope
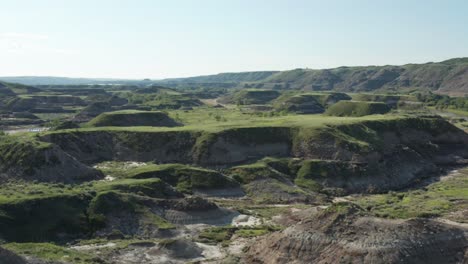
<point x="375" y="155"/>
<point x="446" y="77"/>
<point x="250" y="96"/>
<point x="344" y="233"/>
<point x="27" y="159"/>
<point x="307" y="103"/>
<point x="8" y="257"/>
<point x="357" y="108"/>
<point x="5" y="91"/>
<point x="133" y="118"/>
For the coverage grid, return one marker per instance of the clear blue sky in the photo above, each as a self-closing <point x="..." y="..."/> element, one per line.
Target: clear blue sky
<point x="172" y="38"/>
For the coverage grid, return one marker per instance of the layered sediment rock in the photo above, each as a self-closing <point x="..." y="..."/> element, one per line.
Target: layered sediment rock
<point x="344" y="233"/>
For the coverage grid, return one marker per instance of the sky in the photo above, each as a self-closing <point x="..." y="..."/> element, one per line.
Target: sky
<point x="177" y="38"/>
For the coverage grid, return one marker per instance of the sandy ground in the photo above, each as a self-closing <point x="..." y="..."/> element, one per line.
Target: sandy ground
<point x="246" y="220"/>
<point x="26" y="129"/>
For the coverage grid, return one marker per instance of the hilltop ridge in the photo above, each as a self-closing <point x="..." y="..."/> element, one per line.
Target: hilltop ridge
<point x="445" y="77"/>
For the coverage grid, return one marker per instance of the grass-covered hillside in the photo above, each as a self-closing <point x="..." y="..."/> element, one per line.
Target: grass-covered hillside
<point x="132" y="118"/>
<point x="447" y="77"/>
<point x="308" y="102"/>
<point x="357" y="108"/>
<point x="251" y="96"/>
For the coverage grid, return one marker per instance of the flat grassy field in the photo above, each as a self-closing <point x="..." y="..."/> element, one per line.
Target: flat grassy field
<point x="217" y="119"/>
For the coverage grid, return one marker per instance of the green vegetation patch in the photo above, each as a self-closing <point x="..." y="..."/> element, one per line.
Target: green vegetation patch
<point x="223" y="235"/>
<point x="153" y="187"/>
<point x="390" y="99"/>
<point x="132" y="118"/>
<point x="41" y="211"/>
<point x="51" y="252"/>
<point x="184" y="178"/>
<point x="252" y="96"/>
<point x="23" y="151"/>
<point x="116" y="204"/>
<point x="219" y="119"/>
<point x="442" y="198"/>
<point x="162" y="98"/>
<point x="311" y="102"/>
<point x="357" y="108"/>
<point x="250" y="172"/>
<point x="42" y="219"/>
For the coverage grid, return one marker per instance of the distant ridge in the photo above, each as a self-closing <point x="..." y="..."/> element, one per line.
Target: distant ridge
<point x="52" y="80"/>
<point x="447" y="77"/>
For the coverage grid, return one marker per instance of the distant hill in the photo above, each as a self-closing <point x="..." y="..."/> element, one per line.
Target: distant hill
<point x="51" y="80"/>
<point x="230" y="77"/>
<point x="12" y="89"/>
<point x="447" y="77"/>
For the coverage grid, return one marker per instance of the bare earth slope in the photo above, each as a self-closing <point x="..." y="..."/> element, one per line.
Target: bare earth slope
<point x="343" y="233"/>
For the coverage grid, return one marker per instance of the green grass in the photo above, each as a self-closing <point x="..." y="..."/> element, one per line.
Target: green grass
<point x="132" y="118"/>
<point x="153" y="219"/>
<point x="439" y="199"/>
<point x="51" y="252"/>
<point x="204" y="119"/>
<point x="252" y="96"/>
<point x="373" y="97"/>
<point x="223" y="235"/>
<point x="23" y="151"/>
<point x="155" y="188"/>
<point x="38" y="211"/>
<point x="357" y="108"/>
<point x="457" y="111"/>
<point x="322" y="98"/>
<point x="184" y="177"/>
<point x="312" y="172"/>
<point x="20" y="191"/>
<point x="108" y="203"/>
<point x="254" y="171"/>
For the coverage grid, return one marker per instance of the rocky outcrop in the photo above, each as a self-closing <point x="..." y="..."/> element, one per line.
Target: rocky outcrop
<point x="91" y="111"/>
<point x="45" y="218"/>
<point x="239" y="145"/>
<point x="381" y="155"/>
<point x="145" y="217"/>
<point x="96" y="146"/>
<point x="384" y="154"/>
<point x="344" y="233"/>
<point x="44" y="162"/>
<point x="8" y="257"/>
<point x="196" y="210"/>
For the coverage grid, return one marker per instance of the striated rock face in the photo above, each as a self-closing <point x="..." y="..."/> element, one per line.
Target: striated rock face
<point x="97" y="146"/>
<point x="356" y="157"/>
<point x="235" y="146"/>
<point x="344" y="234"/>
<point x="8" y="257"/>
<point x="48" y="163"/>
<point x="381" y="155"/>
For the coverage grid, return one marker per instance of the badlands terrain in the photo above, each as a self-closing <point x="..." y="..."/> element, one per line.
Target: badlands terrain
<point x="348" y="165"/>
